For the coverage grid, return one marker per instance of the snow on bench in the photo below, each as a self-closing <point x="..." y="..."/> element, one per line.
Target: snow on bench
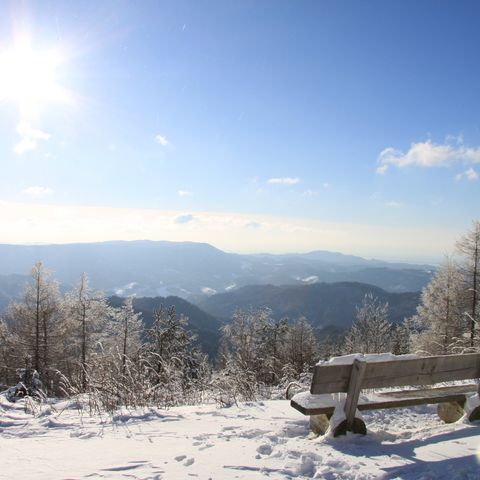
<point x="335" y="396"/>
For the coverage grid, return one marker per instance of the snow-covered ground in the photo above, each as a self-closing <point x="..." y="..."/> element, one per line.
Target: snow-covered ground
<point x="251" y="441"/>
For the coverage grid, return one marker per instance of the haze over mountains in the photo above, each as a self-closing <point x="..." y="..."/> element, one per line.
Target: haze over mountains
<point x="209" y="285"/>
<point x="194" y="270"/>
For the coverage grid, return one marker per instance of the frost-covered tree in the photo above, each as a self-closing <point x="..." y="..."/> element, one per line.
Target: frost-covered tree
<point x="259" y="351"/>
<point x="468" y="247"/>
<point x="330" y="346"/>
<point x="168" y="338"/>
<point x="240" y="341"/>
<point x="371" y="332"/>
<point x="402" y="336"/>
<point x="38" y="322"/>
<point x="126" y="329"/>
<point x="86" y="313"/>
<point x="175" y="365"/>
<point x="9" y="359"/>
<point x="440" y="316"/>
<point x="243" y="356"/>
<point x="271" y="336"/>
<point x="301" y="351"/>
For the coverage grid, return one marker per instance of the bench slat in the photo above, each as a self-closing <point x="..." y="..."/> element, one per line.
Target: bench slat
<point x="411" y="371"/>
<point x="330" y="379"/>
<point x="325" y="404"/>
<point x="423" y="371"/>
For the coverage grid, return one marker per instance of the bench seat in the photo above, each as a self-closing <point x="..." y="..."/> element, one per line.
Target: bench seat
<point x="310" y="404"/>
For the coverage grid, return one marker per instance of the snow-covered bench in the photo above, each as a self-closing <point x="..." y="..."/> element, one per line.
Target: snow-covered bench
<point x="327" y="404"/>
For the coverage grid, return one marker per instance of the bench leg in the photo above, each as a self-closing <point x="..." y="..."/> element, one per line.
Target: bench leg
<point x="319" y="424"/>
<point x="474" y="414"/>
<point x="472" y="407"/>
<point x="450" y="412"/>
<point x="358" y="426"/>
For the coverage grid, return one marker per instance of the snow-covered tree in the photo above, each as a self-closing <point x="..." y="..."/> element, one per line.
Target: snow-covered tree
<point x="440" y="316"/>
<point x="240" y="341"/>
<point x="86" y="313"/>
<point x="468" y="247"/>
<point x="371" y="332"/>
<point x="301" y="351"/>
<point x="9" y="359"/>
<point x="38" y="322"/>
<point x="175" y="365"/>
<point x="128" y="328"/>
<point x="402" y="336"/>
<point x="271" y="337"/>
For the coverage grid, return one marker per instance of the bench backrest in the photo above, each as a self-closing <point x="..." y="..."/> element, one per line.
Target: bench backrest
<point x="333" y="378"/>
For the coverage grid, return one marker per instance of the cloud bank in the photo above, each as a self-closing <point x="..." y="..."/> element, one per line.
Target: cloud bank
<point x="428" y="154"/>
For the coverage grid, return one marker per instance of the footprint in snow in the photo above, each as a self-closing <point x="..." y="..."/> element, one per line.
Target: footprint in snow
<point x="207" y="445"/>
<point x="264" y="449"/>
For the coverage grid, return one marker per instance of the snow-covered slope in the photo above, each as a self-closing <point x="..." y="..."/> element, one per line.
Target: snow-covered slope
<point x="251" y="441"/>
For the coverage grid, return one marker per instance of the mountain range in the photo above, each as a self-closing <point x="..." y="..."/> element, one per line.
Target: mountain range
<point x="196" y="270"/>
<point x="209" y="285"/>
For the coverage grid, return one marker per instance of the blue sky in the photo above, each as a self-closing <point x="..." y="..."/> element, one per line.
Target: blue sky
<point x="253" y="125"/>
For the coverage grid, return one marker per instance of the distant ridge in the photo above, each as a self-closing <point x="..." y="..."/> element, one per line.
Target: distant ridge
<point x="323" y="304"/>
<point x="193" y="270"/>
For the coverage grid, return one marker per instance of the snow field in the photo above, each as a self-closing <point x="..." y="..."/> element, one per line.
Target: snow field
<point x="252" y="441"/>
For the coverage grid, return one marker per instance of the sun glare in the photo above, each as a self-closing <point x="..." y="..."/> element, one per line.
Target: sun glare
<point x="29" y="77"/>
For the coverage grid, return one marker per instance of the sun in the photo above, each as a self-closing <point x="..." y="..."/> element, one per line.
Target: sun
<point x="28" y="77"/>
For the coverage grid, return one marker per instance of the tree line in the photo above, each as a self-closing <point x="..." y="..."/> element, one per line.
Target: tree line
<point x="77" y="343"/>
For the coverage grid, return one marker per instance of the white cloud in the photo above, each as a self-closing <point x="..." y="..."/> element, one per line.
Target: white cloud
<point x="184" y="193"/>
<point x="24" y="145"/>
<point x="393" y="204"/>
<point x="162" y="140"/>
<point x="382" y="169"/>
<point x="37" y="191"/>
<point x="469" y="174"/>
<point x="283" y="181"/>
<point x="310" y="193"/>
<point x="30" y="137"/>
<point x="428" y="154"/>
<point x="181" y="219"/>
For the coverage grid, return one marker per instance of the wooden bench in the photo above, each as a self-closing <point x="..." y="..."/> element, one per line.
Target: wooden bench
<point x="352" y="373"/>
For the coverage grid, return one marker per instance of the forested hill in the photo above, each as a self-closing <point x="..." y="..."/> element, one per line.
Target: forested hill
<point x="206" y="326"/>
<point x="321" y="303"/>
